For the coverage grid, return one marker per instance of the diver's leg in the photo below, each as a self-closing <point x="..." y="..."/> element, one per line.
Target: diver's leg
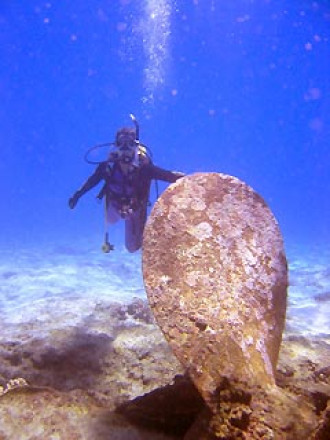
<point x="112" y="214"/>
<point x="111" y="217"/>
<point x="134" y="226"/>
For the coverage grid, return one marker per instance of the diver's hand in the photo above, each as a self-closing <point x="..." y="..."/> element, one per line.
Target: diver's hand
<point x="73" y="200"/>
<point x="178" y="174"/>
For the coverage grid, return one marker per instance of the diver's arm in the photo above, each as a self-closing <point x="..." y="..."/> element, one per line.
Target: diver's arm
<point x="165" y="175"/>
<point x="92" y="181"/>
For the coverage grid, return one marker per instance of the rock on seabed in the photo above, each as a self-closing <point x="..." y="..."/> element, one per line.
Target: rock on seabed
<point x="216" y="277"/>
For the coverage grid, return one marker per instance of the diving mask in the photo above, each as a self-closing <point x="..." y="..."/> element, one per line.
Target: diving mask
<point x="125" y="142"/>
<point x="127" y="148"/>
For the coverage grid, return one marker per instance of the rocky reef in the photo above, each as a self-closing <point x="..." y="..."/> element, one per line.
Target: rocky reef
<point x="119" y="379"/>
<point x="217" y="369"/>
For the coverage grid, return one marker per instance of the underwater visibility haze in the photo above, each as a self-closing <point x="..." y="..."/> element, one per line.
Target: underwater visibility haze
<point x="236" y="87"/>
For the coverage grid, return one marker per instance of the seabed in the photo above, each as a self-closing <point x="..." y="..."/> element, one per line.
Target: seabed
<point x="79" y="347"/>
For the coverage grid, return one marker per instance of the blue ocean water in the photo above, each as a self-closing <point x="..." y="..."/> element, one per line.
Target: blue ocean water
<point x="236" y="87"/>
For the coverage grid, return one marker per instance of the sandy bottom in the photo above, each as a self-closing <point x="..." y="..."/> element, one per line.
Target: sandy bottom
<point x="56" y="286"/>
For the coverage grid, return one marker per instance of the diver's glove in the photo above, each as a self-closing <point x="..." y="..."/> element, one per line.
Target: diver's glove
<point x="74" y="200"/>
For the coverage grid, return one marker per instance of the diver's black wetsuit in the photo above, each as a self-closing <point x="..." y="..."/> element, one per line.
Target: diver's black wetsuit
<point x="126" y="194"/>
<point x="136" y="184"/>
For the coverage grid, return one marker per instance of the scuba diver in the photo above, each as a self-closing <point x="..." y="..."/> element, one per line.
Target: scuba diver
<point x="127" y="174"/>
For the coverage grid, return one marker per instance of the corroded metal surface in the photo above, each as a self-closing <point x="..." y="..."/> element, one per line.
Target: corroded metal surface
<point x="215" y="272"/>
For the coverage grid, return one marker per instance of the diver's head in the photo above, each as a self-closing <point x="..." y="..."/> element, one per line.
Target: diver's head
<point x="127" y="144"/>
